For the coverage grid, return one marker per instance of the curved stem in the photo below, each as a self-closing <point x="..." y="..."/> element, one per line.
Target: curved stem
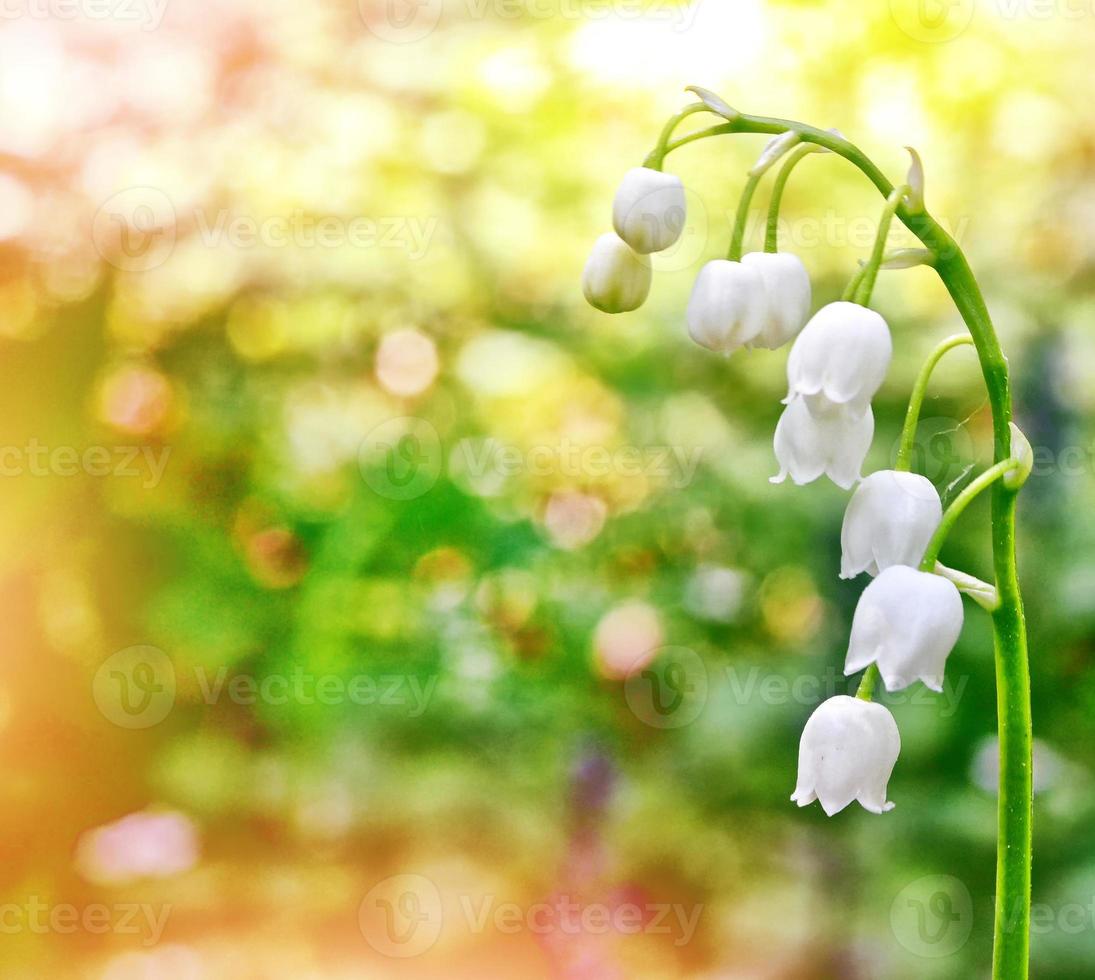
<point x="742" y="217"/>
<point x="656" y="157"/>
<point x="916" y="399"/>
<point x="771" y="236"/>
<point x="1011" y="949"/>
<point x="870" y="270"/>
<point x="959" y="504"/>
<point x="848" y="296"/>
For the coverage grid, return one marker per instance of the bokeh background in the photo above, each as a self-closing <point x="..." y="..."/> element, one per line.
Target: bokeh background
<point x="333" y="519"/>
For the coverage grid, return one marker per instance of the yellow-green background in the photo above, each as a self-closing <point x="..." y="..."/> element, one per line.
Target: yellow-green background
<point x="264" y="549"/>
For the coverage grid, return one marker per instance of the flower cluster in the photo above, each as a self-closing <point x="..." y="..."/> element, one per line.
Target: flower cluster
<point x="907" y="619"/>
<point x="648" y="215"/>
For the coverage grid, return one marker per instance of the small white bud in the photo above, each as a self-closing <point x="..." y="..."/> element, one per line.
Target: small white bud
<point x="847" y="753"/>
<point x="787" y="296"/>
<point x="833" y="444"/>
<point x="914" y="198"/>
<point x="840" y="358"/>
<point x="615" y="279"/>
<point x="907" y="622"/>
<point x="649" y="209"/>
<point x="716" y="103"/>
<point x="773" y="150"/>
<point x="1023" y="456"/>
<point x="889" y="521"/>
<point x="726" y="308"/>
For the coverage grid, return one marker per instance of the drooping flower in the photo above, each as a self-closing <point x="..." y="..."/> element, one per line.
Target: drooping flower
<point x="889" y="521"/>
<point x="907" y="622"/>
<point x="616" y="279"/>
<point x="840" y="358"/>
<point x="726" y="308"/>
<point x="648" y="211"/>
<point x="847" y="752"/>
<point x="833" y="444"/>
<point x="787" y="296"/>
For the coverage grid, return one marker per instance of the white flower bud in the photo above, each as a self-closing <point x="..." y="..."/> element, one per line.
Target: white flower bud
<point x="787" y="296"/>
<point x="840" y="358"/>
<point x="726" y="308"/>
<point x="649" y="209"/>
<point x="889" y="521"/>
<point x="847" y="752"/>
<point x="834" y="444"/>
<point x="907" y="622"/>
<point x="615" y="278"/>
<point x="1023" y="455"/>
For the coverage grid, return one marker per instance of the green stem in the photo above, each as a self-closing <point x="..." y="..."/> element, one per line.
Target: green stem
<point x="742" y="217"/>
<point x="916" y="400"/>
<point x="1011" y="949"/>
<point x="870" y="270"/>
<point x="656" y="157"/>
<point x="848" y="296"/>
<point x="771" y="236"/>
<point x="958" y="505"/>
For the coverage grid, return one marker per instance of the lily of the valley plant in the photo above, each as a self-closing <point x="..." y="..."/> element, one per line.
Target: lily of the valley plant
<point x="910" y="615"/>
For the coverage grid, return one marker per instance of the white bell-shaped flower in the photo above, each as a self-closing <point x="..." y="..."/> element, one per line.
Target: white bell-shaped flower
<point x="847" y="752"/>
<point x="726" y="308"/>
<point x="616" y="279"/>
<point x="648" y="211"/>
<point x="787" y="296"/>
<point x="907" y="622"/>
<point x="889" y="521"/>
<point x="840" y="358"/>
<point x="833" y="444"/>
